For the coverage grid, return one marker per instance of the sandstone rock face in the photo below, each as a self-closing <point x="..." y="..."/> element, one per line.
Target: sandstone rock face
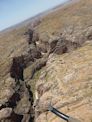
<point x="55" y="73"/>
<point x="66" y="83"/>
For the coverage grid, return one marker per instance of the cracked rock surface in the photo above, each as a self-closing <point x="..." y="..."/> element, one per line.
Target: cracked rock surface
<point x="57" y="66"/>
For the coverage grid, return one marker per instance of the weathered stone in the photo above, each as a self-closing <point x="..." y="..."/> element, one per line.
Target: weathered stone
<point x="5" y="113"/>
<point x="38" y="65"/>
<point x="68" y="78"/>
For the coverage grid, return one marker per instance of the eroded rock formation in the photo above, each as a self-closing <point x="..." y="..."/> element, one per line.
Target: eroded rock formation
<point x="54" y="72"/>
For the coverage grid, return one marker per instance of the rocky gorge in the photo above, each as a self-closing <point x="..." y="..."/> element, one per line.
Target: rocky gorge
<point x="58" y="67"/>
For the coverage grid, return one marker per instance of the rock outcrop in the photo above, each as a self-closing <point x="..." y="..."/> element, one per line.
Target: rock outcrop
<point x="5" y="113"/>
<point x="66" y="84"/>
<point x="15" y="102"/>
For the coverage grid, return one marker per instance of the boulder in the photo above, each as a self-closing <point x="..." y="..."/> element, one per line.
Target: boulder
<point x="5" y="113"/>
